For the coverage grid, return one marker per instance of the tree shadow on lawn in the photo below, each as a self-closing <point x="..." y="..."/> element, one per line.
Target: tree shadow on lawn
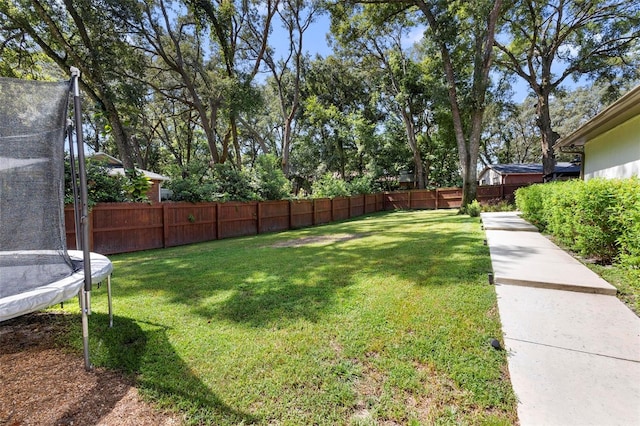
<point x="46" y="377"/>
<point x="142" y="350"/>
<point x="265" y="286"/>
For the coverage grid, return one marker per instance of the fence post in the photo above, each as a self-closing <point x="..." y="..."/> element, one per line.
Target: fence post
<point x="410" y="206"/>
<point x="290" y="214"/>
<point x="437" y="197"/>
<point x="259" y="214"/>
<point x="314" y="219"/>
<point x="332" y="215"/>
<point x="165" y="225"/>
<point x="218" y="226"/>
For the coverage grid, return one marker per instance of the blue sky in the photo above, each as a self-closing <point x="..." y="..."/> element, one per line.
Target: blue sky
<point x="315" y="42"/>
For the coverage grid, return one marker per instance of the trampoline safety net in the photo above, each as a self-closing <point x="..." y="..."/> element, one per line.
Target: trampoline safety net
<point x="32" y="232"/>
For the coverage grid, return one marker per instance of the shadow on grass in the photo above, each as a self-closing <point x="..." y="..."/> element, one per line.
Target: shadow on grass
<point x="142" y="351"/>
<point x="249" y="281"/>
<point x="127" y="347"/>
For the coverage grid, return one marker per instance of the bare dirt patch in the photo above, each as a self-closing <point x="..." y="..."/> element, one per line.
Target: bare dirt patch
<point x="318" y="240"/>
<point x="42" y="384"/>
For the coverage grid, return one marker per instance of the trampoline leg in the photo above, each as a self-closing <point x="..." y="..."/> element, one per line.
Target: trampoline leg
<point x="109" y="299"/>
<point x="85" y="327"/>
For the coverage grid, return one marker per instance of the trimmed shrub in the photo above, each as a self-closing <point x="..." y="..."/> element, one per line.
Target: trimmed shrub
<point x="624" y="218"/>
<point x="599" y="218"/>
<point x="529" y="201"/>
<point x="560" y="204"/>
<point x="595" y="235"/>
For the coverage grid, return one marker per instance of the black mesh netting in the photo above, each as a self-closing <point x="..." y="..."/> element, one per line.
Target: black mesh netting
<point x="32" y="235"/>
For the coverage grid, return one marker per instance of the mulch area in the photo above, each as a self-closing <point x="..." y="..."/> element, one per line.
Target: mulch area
<point x="43" y="384"/>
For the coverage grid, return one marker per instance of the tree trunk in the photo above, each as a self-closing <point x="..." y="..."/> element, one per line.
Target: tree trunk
<point x="417" y="156"/>
<point x="468" y="146"/>
<point x="548" y="136"/>
<point x="119" y="133"/>
<point x="286" y="138"/>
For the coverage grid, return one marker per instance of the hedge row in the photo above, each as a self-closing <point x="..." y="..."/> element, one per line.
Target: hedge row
<point x="598" y="218"/>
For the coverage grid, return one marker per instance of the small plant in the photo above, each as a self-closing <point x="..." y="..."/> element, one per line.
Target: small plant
<point x="498" y="205"/>
<point x="474" y="209"/>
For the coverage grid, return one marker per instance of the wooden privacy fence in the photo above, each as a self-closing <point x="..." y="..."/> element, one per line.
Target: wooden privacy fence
<point x="127" y="227"/>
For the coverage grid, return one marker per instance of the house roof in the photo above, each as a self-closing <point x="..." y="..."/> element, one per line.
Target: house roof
<point x="516" y="169"/>
<point x="116" y="168"/>
<point x="614" y="115"/>
<point x="528" y="169"/>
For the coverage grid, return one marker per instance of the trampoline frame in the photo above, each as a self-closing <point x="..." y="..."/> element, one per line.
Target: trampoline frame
<point x="96" y="268"/>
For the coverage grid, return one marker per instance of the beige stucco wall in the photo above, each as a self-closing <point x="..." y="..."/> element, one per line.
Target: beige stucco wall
<point x="614" y="154"/>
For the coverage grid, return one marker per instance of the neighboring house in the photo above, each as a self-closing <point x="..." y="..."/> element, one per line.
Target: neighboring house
<point x="116" y="168"/>
<point x="513" y="174"/>
<point x="610" y="141"/>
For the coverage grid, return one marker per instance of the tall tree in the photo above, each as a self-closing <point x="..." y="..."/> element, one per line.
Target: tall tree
<point x="549" y="41"/>
<point x="296" y="16"/>
<point x="336" y="119"/>
<point x="373" y="36"/>
<point x="464" y="34"/>
<point x="178" y="70"/>
<point x="240" y="29"/>
<point x="91" y="36"/>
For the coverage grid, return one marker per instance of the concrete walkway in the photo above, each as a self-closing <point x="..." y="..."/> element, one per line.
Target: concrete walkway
<point x="573" y="347"/>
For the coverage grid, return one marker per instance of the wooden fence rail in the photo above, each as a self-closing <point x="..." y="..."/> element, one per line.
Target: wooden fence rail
<point x="126" y="227"/>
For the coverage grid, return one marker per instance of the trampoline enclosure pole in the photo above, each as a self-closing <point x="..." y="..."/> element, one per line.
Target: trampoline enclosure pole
<point x="74" y="183"/>
<point x="85" y="293"/>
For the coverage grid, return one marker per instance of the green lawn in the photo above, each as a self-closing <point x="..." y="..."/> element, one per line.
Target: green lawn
<point x="390" y="327"/>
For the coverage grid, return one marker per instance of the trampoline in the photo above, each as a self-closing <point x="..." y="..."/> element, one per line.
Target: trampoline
<point x="36" y="269"/>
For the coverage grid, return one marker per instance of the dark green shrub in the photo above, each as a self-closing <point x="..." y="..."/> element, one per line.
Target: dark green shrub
<point x="190" y="189"/>
<point x="361" y="185"/>
<point x="474" y="209"/>
<point x="529" y="201"/>
<point x="269" y="180"/>
<point x="231" y="184"/>
<point x="101" y="187"/>
<point x="329" y="186"/>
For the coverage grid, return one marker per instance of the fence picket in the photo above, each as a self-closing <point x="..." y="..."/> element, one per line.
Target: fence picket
<point x="125" y="227"/>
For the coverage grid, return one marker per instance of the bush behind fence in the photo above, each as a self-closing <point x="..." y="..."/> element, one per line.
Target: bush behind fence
<point x="127" y="227"/>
